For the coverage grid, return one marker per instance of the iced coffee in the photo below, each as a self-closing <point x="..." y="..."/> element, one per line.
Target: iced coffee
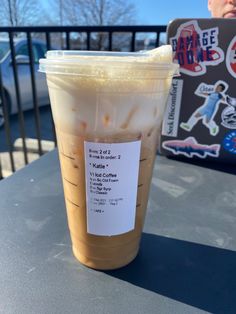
<point x="107" y="109"/>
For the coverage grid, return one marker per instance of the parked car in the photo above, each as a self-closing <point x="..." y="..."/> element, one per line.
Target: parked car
<point x="24" y="75"/>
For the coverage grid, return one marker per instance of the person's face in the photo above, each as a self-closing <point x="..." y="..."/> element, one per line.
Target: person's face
<point x="222" y="8"/>
<point x="218" y="89"/>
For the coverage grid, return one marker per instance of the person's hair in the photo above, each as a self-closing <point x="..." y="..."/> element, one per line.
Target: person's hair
<point x="222" y="86"/>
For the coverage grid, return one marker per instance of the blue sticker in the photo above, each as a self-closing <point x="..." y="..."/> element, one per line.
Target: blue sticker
<point x="229" y="142"/>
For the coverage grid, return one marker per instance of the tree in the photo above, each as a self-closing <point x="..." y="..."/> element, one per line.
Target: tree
<point x="95" y="12"/>
<point x="19" y="12"/>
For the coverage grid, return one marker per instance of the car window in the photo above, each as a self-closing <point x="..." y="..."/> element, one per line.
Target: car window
<point x="41" y="50"/>
<point x="38" y="51"/>
<point x="4" y="48"/>
<point x="23" y="50"/>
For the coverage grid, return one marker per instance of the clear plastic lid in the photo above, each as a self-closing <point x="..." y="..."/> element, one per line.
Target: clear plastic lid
<point x="92" y="63"/>
<point x="71" y="54"/>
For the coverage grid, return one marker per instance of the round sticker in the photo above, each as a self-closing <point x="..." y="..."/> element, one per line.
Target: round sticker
<point x="228" y="117"/>
<point x="229" y="142"/>
<point x="231" y="57"/>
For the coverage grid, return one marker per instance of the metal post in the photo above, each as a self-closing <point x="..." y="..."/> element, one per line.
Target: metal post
<point x="18" y="98"/>
<point x="110" y="41"/>
<point x="133" y="41"/>
<point x="48" y="43"/>
<point x="1" y="174"/>
<point x="6" y="114"/>
<point x="88" y="40"/>
<point x="157" y="39"/>
<point x="67" y="40"/>
<point x="34" y="93"/>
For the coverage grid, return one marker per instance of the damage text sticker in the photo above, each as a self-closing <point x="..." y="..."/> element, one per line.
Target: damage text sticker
<point x="195" y="49"/>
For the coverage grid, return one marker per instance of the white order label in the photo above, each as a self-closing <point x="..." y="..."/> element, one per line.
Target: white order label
<point x="111" y="172"/>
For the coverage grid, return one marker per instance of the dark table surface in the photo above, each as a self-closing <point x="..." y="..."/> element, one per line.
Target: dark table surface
<point x="187" y="261"/>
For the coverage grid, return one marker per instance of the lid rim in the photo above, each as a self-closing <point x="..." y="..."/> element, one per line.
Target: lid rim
<point x="62" y="53"/>
<point x="65" y="60"/>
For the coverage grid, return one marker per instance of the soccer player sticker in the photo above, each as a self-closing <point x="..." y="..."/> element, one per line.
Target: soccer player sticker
<point x="231" y="57"/>
<point x="214" y="95"/>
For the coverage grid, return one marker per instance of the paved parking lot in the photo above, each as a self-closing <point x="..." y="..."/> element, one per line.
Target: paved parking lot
<point x="30" y="130"/>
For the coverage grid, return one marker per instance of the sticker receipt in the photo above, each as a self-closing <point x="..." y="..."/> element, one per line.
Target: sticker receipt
<point x="111" y="172"/>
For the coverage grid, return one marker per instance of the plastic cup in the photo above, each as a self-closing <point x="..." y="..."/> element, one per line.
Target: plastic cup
<point x="107" y="109"/>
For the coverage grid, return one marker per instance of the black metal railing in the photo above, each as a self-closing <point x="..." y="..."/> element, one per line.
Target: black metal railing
<point x="67" y="42"/>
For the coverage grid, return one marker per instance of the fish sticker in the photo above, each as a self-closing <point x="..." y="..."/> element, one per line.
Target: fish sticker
<point x="190" y="148"/>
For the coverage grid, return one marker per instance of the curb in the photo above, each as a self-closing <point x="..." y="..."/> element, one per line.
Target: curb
<point x="32" y="145"/>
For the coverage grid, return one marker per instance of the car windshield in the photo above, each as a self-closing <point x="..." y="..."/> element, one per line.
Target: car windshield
<point x="4" y="48"/>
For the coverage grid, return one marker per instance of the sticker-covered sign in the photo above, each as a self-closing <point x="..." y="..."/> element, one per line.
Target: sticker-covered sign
<point x="111" y="172"/>
<point x="204" y="122"/>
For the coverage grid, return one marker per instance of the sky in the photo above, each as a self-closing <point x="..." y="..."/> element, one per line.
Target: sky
<point x="160" y="12"/>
